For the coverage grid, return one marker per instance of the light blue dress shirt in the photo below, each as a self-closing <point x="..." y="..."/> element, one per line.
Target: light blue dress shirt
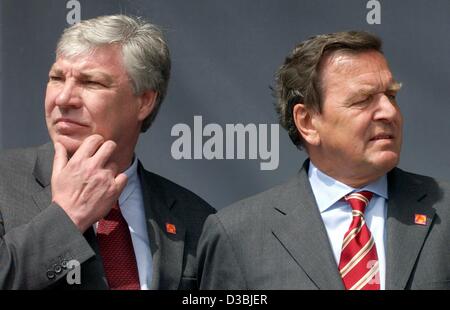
<point x="131" y="205"/>
<point x="337" y="215"/>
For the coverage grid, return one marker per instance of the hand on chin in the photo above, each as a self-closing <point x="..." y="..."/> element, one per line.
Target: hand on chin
<point x="70" y="143"/>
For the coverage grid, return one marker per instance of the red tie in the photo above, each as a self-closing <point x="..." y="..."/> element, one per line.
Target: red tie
<point x="359" y="260"/>
<point x="116" y="249"/>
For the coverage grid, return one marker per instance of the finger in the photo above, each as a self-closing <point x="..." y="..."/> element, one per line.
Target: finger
<point x="112" y="167"/>
<point x="60" y="158"/>
<point x="121" y="181"/>
<point x="103" y="154"/>
<point x="88" y="148"/>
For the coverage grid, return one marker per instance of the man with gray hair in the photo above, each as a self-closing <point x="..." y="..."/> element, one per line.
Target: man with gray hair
<point x="349" y="219"/>
<point x="81" y="212"/>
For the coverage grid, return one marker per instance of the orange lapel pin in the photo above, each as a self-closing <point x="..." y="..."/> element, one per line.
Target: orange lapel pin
<point x="171" y="229"/>
<point x="420" y="219"/>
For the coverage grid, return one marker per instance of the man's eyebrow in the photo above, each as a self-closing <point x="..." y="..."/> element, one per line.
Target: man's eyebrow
<point x="394" y="86"/>
<point x="96" y="74"/>
<point x="84" y="75"/>
<point x="363" y="91"/>
<point x="56" y="70"/>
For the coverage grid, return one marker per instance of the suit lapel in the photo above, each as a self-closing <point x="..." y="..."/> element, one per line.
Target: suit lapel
<point x="43" y="172"/>
<point x="407" y="197"/>
<point x="167" y="248"/>
<point x="299" y="227"/>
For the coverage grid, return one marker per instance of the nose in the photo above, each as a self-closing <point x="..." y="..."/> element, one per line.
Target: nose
<point x="387" y="109"/>
<point x="68" y="96"/>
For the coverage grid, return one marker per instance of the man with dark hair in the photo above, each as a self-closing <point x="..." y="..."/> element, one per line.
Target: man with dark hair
<point x="349" y="219"/>
<point x="84" y="203"/>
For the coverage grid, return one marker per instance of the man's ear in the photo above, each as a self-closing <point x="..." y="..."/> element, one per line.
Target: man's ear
<point x="305" y="122"/>
<point x="147" y="102"/>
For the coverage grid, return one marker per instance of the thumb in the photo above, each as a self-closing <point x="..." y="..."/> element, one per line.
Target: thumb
<point x="60" y="159"/>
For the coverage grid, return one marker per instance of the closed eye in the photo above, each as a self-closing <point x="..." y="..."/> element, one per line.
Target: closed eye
<point x="55" y="78"/>
<point x="93" y="83"/>
<point x="363" y="101"/>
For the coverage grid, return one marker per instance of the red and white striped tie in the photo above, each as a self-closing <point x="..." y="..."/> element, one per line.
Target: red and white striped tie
<point x="358" y="265"/>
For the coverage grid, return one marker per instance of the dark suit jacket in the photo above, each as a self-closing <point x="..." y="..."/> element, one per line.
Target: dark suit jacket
<point x="277" y="239"/>
<point x="37" y="238"/>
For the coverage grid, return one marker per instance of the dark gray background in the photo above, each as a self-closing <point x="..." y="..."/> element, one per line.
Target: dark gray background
<point x="224" y="56"/>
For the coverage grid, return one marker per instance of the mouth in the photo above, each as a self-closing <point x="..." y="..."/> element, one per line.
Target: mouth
<point x="382" y="137"/>
<point x="68" y="121"/>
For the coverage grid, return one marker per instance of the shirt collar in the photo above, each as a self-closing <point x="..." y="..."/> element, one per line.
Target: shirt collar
<point x="328" y="191"/>
<point x="133" y="181"/>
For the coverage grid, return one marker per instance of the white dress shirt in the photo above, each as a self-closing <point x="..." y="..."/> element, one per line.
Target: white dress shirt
<point x="337" y="215"/>
<point x="131" y="205"/>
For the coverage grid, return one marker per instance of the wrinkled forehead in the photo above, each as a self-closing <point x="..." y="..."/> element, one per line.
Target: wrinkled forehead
<point x="365" y="68"/>
<point x="348" y="61"/>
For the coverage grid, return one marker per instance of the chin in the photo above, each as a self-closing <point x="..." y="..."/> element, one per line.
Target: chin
<point x="71" y="144"/>
<point x="387" y="161"/>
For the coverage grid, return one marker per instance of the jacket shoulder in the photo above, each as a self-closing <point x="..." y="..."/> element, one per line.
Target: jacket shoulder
<point x="401" y="176"/>
<point x="17" y="161"/>
<point x="255" y="209"/>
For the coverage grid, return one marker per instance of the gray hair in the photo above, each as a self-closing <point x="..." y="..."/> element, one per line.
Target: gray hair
<point x="298" y="80"/>
<point x="145" y="53"/>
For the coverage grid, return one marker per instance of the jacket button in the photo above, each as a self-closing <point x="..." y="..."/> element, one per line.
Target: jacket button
<point x="57" y="268"/>
<point x="51" y="274"/>
<point x="64" y="264"/>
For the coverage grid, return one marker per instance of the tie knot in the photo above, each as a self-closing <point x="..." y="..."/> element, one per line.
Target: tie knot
<point x="359" y="201"/>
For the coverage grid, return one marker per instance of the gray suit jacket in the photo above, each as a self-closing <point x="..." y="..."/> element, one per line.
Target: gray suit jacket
<point x="277" y="239"/>
<point x="37" y="238"/>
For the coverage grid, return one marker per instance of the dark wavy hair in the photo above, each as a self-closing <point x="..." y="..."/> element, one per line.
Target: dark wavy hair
<point x="298" y="79"/>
